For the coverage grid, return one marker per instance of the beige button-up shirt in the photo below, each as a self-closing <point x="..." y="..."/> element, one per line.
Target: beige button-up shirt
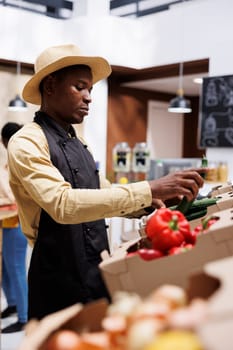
<point x="37" y="183"/>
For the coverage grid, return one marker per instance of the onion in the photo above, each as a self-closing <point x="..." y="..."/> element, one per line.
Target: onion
<point x="63" y="340"/>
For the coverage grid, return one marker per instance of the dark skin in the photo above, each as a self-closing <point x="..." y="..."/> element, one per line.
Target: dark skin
<point x="66" y="96"/>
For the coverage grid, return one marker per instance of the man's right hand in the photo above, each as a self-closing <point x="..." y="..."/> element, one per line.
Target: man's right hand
<point x="177" y="185"/>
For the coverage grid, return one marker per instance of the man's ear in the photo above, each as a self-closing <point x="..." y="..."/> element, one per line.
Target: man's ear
<point x="49" y="84"/>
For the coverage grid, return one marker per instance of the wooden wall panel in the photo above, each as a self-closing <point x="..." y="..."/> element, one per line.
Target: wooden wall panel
<point x="127" y="121"/>
<point x="127" y="107"/>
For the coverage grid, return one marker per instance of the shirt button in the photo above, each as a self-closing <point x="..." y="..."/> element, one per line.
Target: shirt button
<point x="76" y="170"/>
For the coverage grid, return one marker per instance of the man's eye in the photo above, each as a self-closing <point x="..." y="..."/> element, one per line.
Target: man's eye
<point x="82" y="87"/>
<point x="79" y="87"/>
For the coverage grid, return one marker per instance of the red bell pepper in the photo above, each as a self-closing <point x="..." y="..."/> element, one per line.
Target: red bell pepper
<point x="168" y="228"/>
<point x="147" y="253"/>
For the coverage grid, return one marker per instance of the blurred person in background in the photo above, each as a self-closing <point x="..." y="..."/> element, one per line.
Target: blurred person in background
<point x="14" y="246"/>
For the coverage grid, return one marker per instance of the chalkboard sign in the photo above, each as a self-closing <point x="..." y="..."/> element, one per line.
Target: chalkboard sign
<point x="216" y="115"/>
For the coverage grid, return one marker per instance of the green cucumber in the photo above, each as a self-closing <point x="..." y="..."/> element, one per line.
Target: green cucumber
<point x="184" y="204"/>
<point x="204" y="202"/>
<point x="197" y="204"/>
<point x="196" y="215"/>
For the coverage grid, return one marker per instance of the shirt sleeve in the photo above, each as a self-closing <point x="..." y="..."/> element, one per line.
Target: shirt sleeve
<point x="32" y="173"/>
<point x="6" y="195"/>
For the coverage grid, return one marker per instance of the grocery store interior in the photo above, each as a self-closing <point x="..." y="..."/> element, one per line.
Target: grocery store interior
<point x="158" y="50"/>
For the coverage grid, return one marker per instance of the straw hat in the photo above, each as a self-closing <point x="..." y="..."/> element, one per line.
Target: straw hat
<point x="57" y="57"/>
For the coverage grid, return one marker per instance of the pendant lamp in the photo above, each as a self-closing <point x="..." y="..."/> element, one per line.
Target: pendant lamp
<point x="180" y="104"/>
<point x="17" y="104"/>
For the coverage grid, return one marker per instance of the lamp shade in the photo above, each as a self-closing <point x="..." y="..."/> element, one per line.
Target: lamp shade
<point x="17" y="104"/>
<point x="179" y="104"/>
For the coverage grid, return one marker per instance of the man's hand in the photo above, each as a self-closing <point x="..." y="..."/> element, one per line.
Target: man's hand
<point x="157" y="203"/>
<point x="178" y="184"/>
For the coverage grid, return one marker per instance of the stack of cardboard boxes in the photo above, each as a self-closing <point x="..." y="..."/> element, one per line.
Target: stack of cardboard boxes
<point x="204" y="271"/>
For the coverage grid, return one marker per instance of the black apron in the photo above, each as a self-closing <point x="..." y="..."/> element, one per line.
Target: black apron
<point x="64" y="264"/>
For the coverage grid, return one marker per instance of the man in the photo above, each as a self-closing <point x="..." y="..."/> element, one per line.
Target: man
<point x="61" y="197"/>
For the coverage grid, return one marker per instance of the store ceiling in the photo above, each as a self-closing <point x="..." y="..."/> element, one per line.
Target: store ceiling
<point x="164" y="79"/>
<point x="140" y="8"/>
<point x="170" y="84"/>
<point x="60" y="9"/>
<point x="64" y="9"/>
<point x="124" y="8"/>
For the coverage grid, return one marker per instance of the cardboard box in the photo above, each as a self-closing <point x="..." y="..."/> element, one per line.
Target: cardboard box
<point x="225" y="201"/>
<point x="223" y="188"/>
<point x="217" y="332"/>
<point x="76" y="318"/>
<point x="133" y="274"/>
<point x="213" y="283"/>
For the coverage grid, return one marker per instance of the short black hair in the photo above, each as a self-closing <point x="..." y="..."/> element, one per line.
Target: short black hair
<point x="9" y="129"/>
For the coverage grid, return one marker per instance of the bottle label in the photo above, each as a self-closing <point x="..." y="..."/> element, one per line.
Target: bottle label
<point x="122" y="161"/>
<point x="141" y="161"/>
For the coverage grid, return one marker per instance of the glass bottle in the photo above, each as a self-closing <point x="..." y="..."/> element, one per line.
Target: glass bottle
<point x="212" y="174"/>
<point x="121" y="157"/>
<point x="222" y="172"/>
<point x="122" y="162"/>
<point x="140" y="161"/>
<point x="141" y="158"/>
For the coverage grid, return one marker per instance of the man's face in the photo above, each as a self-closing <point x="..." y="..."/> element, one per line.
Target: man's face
<point x="68" y="94"/>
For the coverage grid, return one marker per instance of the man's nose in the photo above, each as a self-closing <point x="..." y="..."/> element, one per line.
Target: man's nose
<point x="87" y="96"/>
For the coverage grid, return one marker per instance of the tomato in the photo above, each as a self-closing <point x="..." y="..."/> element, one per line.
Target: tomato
<point x="181" y="249"/>
<point x="147" y="253"/>
<point x="197" y="230"/>
<point x="205" y="224"/>
<point x="150" y="254"/>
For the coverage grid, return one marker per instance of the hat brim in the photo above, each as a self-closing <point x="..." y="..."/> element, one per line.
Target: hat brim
<point x="99" y="66"/>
